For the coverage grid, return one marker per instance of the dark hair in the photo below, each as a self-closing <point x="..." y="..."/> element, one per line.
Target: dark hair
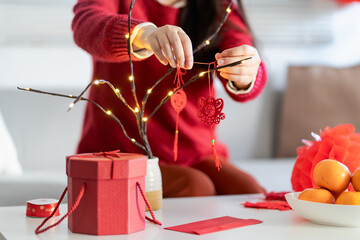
<point x="200" y="18"/>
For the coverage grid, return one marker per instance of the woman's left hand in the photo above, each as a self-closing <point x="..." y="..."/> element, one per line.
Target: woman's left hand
<point x="243" y="74"/>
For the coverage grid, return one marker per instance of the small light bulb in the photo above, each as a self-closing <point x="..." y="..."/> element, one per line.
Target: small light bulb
<point x="145" y="119"/>
<point x="96" y="82"/>
<point x="117" y="90"/>
<point x="70" y="95"/>
<point x="127" y="36"/>
<point x="27" y="89"/>
<point x="131" y="78"/>
<point x="71" y="105"/>
<point x="228" y="10"/>
<point x="207" y="42"/>
<point x="170" y="93"/>
<point x="136" y="109"/>
<point x="149" y="91"/>
<point x="133" y="140"/>
<point x="108" y="112"/>
<point x="202" y="74"/>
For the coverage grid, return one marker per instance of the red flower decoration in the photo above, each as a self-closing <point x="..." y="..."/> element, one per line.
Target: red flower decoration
<point x="210" y="110"/>
<point x="340" y="143"/>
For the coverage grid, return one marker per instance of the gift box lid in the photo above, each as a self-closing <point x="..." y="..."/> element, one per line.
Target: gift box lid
<point x="106" y="165"/>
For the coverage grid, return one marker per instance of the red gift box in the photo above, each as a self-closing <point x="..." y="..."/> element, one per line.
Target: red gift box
<point x="111" y="203"/>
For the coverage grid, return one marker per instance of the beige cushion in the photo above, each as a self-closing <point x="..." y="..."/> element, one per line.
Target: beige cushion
<point x="315" y="97"/>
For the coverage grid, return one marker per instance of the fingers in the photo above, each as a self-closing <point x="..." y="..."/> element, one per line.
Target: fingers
<point x="170" y="44"/>
<point x="243" y="50"/>
<point x="188" y="51"/>
<point x="243" y="74"/>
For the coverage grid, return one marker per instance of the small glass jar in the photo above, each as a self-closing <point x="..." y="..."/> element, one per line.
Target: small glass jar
<point x="153" y="184"/>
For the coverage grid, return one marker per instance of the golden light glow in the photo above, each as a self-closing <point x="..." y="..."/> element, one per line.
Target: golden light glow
<point x="117" y="90"/>
<point x="71" y="105"/>
<point x="131" y="78"/>
<point x="170" y="93"/>
<point x="149" y="91"/>
<point x="27" y="89"/>
<point x="207" y="42"/>
<point x="202" y="74"/>
<point x="133" y="140"/>
<point x="108" y="112"/>
<point x="136" y="109"/>
<point x="96" y="82"/>
<point x="127" y="36"/>
<point x="70" y="95"/>
<point x="228" y="10"/>
<point x="145" y="119"/>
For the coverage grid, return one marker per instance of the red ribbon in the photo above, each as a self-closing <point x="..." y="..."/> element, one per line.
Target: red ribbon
<point x="41" y="208"/>
<point x="110" y="155"/>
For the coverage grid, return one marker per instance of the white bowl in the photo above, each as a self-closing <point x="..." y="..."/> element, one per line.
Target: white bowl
<point x="326" y="214"/>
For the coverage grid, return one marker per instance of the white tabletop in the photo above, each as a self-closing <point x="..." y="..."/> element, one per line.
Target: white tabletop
<point x="276" y="224"/>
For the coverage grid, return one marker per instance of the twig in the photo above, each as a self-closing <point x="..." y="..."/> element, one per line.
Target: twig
<point x="91" y="101"/>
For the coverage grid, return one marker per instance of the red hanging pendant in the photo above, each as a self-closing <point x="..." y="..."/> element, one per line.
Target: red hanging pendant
<point x="210" y="112"/>
<point x="178" y="101"/>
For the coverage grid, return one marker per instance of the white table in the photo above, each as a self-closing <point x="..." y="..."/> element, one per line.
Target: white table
<point x="276" y="224"/>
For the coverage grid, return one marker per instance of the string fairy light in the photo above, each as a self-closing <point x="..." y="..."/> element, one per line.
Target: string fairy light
<point x="141" y="124"/>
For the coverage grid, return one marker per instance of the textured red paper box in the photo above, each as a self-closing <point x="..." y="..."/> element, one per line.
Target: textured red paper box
<point x="112" y="203"/>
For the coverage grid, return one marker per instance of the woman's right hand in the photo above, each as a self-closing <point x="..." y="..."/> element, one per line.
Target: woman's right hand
<point x="170" y="44"/>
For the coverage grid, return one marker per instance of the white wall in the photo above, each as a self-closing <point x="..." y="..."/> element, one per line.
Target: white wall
<point x="44" y="132"/>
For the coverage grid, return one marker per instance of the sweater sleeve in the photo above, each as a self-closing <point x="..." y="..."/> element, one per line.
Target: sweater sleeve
<point x="234" y="33"/>
<point x="100" y="30"/>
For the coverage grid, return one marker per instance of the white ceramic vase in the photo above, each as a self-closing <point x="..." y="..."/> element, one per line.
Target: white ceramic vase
<point x="153" y="183"/>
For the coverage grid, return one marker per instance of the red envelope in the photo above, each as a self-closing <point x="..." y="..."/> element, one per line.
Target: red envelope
<point x="278" y="205"/>
<point x="213" y="225"/>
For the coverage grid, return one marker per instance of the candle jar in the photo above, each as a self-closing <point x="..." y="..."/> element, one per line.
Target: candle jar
<point x="153" y="184"/>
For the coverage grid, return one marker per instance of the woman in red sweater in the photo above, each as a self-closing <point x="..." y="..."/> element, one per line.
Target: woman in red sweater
<point x="163" y="33"/>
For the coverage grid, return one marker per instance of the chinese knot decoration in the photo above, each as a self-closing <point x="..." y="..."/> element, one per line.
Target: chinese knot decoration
<point x="210" y="110"/>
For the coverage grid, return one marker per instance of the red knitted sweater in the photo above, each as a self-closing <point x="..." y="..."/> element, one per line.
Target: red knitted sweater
<point x="100" y="28"/>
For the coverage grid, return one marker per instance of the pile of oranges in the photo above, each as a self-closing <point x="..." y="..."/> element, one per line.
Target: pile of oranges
<point x="333" y="179"/>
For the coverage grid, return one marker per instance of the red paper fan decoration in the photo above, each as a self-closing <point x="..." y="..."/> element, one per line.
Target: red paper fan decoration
<point x="340" y="143"/>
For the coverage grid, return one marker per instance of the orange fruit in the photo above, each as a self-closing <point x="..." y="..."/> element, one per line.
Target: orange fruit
<point x="355" y="180"/>
<point x="332" y="175"/>
<point x="319" y="195"/>
<point x="349" y="198"/>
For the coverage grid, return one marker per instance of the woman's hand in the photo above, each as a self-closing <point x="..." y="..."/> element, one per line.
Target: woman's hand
<point x="170" y="44"/>
<point x="243" y="74"/>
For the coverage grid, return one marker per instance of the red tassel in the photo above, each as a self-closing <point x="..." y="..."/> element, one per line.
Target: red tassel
<point x="176" y="138"/>
<point x="217" y="162"/>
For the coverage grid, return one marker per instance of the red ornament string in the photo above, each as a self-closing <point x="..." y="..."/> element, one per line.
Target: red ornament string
<point x="76" y="204"/>
<point x="153" y="220"/>
<point x="178" y="101"/>
<point x="210" y="112"/>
